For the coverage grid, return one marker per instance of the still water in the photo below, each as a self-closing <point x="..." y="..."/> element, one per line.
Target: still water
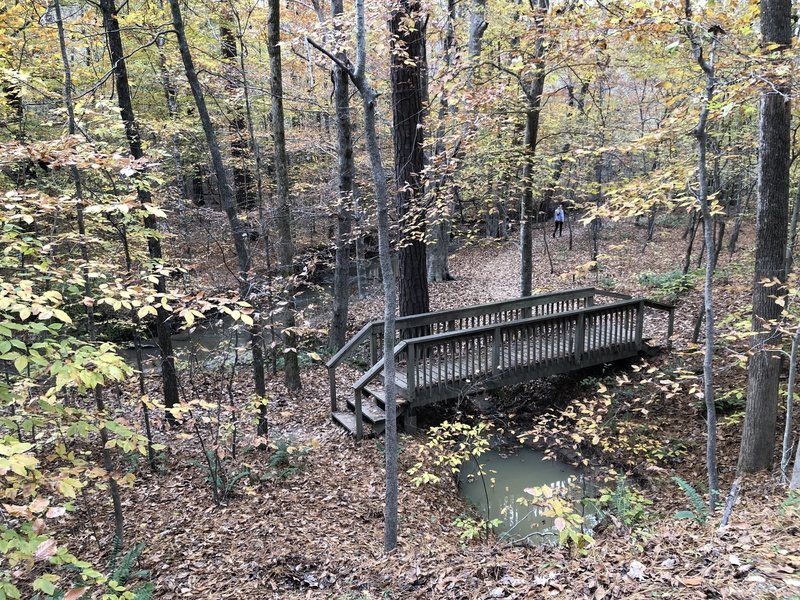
<point x="506" y="475"/>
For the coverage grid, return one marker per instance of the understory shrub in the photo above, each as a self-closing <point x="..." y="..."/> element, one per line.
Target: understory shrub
<point x="669" y="286"/>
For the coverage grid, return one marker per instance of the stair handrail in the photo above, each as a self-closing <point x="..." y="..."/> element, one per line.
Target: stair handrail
<point x="345" y="352"/>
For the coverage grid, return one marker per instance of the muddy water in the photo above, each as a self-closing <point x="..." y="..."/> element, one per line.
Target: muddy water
<point x="506" y="474"/>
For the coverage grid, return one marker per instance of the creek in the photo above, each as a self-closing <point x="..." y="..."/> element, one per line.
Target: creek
<point x="496" y="488"/>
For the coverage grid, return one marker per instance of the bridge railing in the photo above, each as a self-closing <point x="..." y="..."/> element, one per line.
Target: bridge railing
<point x="458" y="319"/>
<point x="438" y="364"/>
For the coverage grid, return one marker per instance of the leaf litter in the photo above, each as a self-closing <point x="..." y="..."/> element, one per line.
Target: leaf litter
<point x="318" y="533"/>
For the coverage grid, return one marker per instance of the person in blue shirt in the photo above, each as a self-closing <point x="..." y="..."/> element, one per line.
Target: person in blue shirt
<point x="558" y="219"/>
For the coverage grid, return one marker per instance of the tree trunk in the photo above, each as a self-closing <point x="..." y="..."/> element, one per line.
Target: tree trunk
<point x="792" y="235"/>
<point x="369" y="96"/>
<point x="105" y="451"/>
<point x="284" y="215"/>
<point x="439" y="231"/>
<point x="171" y="96"/>
<point x="534" y="98"/>
<point x="700" y="133"/>
<point x="242" y="178"/>
<point x="169" y="376"/>
<point x="786" y="447"/>
<point x="407" y="62"/>
<point x="708" y="309"/>
<point x="477" y="27"/>
<point x="345" y="171"/>
<point x="226" y="195"/>
<point x="772" y="215"/>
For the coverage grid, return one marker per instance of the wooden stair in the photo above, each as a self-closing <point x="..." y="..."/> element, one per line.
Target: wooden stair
<point x="373" y="406"/>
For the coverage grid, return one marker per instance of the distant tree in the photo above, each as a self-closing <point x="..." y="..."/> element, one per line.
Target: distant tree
<point x="284" y="215"/>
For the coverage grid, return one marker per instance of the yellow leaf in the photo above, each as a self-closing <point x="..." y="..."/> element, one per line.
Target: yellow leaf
<point x="62" y="316"/>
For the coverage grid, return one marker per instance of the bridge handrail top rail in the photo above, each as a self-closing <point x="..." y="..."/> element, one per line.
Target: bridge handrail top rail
<point x="378" y="366"/>
<point x="508" y="303"/>
<point x="522" y="322"/>
<point x="454" y="313"/>
<point x="428" y="318"/>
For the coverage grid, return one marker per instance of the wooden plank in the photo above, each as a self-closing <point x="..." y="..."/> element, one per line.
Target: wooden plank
<point x="346" y="419"/>
<point x="370" y="409"/>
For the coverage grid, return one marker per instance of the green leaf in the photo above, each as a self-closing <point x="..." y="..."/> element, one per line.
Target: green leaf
<point x="44" y="585"/>
<point x="20" y="363"/>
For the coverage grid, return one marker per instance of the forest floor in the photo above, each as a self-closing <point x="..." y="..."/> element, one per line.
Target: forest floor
<point x="315" y="530"/>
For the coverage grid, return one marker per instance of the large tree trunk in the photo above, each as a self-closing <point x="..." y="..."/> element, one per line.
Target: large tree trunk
<point x="407" y="63"/>
<point x="284" y="215"/>
<point x="345" y="171"/>
<point x="772" y="215"/>
<point x="169" y="377"/>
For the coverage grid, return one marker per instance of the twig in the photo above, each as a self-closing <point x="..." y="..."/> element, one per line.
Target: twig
<point x="731" y="500"/>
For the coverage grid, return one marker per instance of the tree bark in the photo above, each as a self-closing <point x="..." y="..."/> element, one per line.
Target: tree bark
<point x="116" y="52"/>
<point x="407" y="62"/>
<point x="345" y="171"/>
<point x="227" y="198"/>
<point x="105" y="451"/>
<point x="772" y="215"/>
<point x="291" y="369"/>
<point x="242" y="178"/>
<point x="534" y="99"/>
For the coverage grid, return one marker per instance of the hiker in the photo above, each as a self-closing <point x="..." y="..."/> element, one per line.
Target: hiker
<point x="558" y="219"/>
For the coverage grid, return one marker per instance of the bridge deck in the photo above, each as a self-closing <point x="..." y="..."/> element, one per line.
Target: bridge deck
<point x="572" y="332"/>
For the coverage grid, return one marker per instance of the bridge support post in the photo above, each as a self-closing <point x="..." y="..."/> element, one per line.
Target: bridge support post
<point x="580" y="335"/>
<point x="639" y="324"/>
<point x="332" y="386"/>
<point x="359" y="416"/>
<point x="373" y="348"/>
<point x="410" y="419"/>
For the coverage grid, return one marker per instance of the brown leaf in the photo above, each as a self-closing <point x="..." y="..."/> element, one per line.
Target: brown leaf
<point x="45" y="550"/>
<point x="75" y="593"/>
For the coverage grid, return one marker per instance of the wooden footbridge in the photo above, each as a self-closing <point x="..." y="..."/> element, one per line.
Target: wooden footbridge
<point x="452" y="354"/>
